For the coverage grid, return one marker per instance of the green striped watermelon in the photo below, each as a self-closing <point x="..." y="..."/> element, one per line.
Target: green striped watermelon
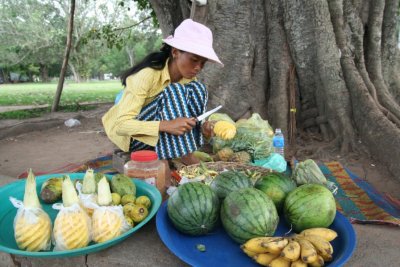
<point x="194" y="208"/>
<point x="229" y="181"/>
<point x="248" y="213"/>
<point x="308" y="206"/>
<point x="276" y="186"/>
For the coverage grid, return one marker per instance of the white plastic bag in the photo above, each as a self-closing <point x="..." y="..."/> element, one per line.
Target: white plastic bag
<point x="72" y="122"/>
<point x="72" y="227"/>
<point x="87" y="201"/>
<point x="27" y="219"/>
<point x="108" y="222"/>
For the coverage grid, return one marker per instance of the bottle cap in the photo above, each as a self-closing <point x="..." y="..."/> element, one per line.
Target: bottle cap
<point x="144" y="155"/>
<point x="278" y="130"/>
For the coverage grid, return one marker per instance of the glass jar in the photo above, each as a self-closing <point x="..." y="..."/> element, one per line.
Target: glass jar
<point x="144" y="165"/>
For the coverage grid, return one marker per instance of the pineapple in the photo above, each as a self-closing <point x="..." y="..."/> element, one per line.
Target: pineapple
<point x="225" y="153"/>
<point x="89" y="182"/>
<point x="32" y="225"/>
<point x="241" y="156"/>
<point x="225" y="130"/>
<point x="107" y="221"/>
<point x="87" y="193"/>
<point x="72" y="227"/>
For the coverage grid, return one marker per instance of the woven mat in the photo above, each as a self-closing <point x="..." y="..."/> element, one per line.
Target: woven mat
<point x="359" y="201"/>
<point x="102" y="164"/>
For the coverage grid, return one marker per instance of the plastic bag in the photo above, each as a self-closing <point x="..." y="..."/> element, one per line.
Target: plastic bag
<point x="220" y="117"/>
<point x="87" y="201"/>
<point x="253" y="135"/>
<point x="72" y="227"/>
<point x="274" y="162"/>
<point x="27" y="219"/>
<point x="257" y="124"/>
<point x="108" y="222"/>
<point x="72" y="122"/>
<point x="308" y="172"/>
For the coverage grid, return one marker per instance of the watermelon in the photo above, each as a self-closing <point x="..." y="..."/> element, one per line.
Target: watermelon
<point x="194" y="209"/>
<point x="308" y="206"/>
<point x="276" y="186"/>
<point x="229" y="181"/>
<point x="248" y="213"/>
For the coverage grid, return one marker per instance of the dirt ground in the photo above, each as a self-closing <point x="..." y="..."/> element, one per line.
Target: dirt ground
<point x="51" y="148"/>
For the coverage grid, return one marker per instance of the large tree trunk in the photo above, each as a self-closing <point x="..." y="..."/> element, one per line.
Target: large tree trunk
<point x="338" y="58"/>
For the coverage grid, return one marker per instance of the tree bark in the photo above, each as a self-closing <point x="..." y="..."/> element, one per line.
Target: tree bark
<point x="390" y="51"/>
<point x="75" y="73"/>
<point x="60" y="85"/>
<point x="336" y="62"/>
<point x="44" y="73"/>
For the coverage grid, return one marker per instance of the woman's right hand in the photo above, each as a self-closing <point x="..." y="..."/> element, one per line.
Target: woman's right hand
<point x="178" y="126"/>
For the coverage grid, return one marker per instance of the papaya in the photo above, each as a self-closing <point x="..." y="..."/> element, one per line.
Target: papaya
<point x="50" y="191"/>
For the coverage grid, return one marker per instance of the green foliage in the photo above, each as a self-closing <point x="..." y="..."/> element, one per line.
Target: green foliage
<point x="23" y="114"/>
<point x="107" y="37"/>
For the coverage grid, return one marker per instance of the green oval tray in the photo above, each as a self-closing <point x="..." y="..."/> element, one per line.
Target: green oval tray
<point x="16" y="189"/>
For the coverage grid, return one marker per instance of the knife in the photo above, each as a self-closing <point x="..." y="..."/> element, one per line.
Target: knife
<point x="208" y="113"/>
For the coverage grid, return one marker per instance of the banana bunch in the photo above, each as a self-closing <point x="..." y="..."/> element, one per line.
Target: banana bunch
<point x="311" y="247"/>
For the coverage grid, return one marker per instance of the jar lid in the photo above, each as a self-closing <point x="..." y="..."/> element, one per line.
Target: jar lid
<point x="144" y="155"/>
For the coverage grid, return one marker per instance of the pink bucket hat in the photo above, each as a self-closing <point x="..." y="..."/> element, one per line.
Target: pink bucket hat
<point x="195" y="38"/>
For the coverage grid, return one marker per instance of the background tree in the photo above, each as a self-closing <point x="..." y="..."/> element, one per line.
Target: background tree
<point x="332" y="66"/>
<point x="22" y="44"/>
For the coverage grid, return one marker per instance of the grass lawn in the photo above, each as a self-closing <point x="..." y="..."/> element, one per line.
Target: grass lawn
<point x="44" y="93"/>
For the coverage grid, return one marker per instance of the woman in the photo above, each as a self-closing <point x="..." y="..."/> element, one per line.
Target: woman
<point x="162" y="98"/>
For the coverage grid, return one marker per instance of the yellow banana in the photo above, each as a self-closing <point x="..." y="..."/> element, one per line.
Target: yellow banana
<point x="321" y="245"/>
<point x="291" y="251"/>
<point x="275" y="246"/>
<point x="325" y="233"/>
<point x="327" y="257"/>
<point x="264" y="259"/>
<point x="249" y="252"/>
<point x="318" y="263"/>
<point x="308" y="253"/>
<point x="255" y="244"/>
<point x="298" y="263"/>
<point x="279" y="262"/>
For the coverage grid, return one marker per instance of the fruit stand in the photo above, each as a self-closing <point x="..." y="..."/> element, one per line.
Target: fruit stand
<point x="259" y="216"/>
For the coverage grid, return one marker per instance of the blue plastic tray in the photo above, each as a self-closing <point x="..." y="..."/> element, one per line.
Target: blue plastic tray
<point x="221" y="250"/>
<point x="16" y="189"/>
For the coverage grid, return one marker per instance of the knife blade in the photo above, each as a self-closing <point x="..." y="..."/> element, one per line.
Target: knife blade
<point x="208" y="113"/>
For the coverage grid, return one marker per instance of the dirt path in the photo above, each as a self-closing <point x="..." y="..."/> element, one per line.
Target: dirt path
<point x="55" y="147"/>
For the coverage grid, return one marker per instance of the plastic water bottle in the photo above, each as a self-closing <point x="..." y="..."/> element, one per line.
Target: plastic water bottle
<point x="278" y="142"/>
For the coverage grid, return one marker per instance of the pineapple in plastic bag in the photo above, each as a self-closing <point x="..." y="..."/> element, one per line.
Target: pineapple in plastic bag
<point x="72" y="226"/>
<point x="32" y="225"/>
<point x="108" y="221"/>
<point x="87" y="192"/>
